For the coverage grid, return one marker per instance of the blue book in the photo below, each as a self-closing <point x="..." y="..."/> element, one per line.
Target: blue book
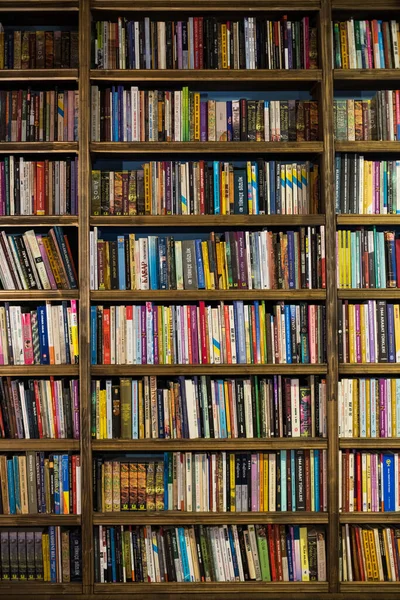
<point x="113" y="559"/>
<point x="121" y="124"/>
<point x="184" y="556"/>
<point x="56" y="484"/>
<point x="16" y="484"/>
<point x="272" y="179"/>
<point x="43" y="339"/>
<point x="161" y="255"/>
<point x="233" y="552"/>
<point x="11" y="487"/>
<point x="287" y="334"/>
<point x="121" y="262"/>
<point x="293" y="472"/>
<point x="316" y="480"/>
<point x="93" y="335"/>
<point x="64" y="509"/>
<point x="381" y="49"/>
<point x="53" y="554"/>
<point x="388" y="483"/>
<point x="283" y="480"/>
<point x="390" y="334"/>
<point x="135" y="410"/>
<point x="217" y="198"/>
<point x="222" y="412"/>
<point x="238" y="308"/>
<point x="114" y="113"/>
<point x="201" y="282"/>
<point x="147" y="38"/>
<point x="229" y="120"/>
<point x="289" y="555"/>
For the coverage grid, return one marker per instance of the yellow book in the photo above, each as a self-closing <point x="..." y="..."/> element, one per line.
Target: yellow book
<point x="46" y="556"/>
<point x="250" y="195"/>
<point x="305" y="571"/>
<point x="364" y="480"/>
<point x="348" y="260"/>
<point x="352" y="334"/>
<point x="260" y="479"/>
<point x="340" y="253"/>
<point x="196" y="104"/>
<point x="368" y="562"/>
<point x="368" y="205"/>
<point x="147" y="189"/>
<point x="132" y="269"/>
<point x="374" y="558"/>
<point x="223" y="191"/>
<point x="368" y="405"/>
<point x="356" y="411"/>
<point x="169" y="337"/>
<point x="265" y="482"/>
<point x="160" y="314"/>
<point x="232" y="460"/>
<point x="261" y="313"/>
<point x="141" y="411"/>
<point x="363" y="315"/>
<point x="397" y="331"/>
<point x="220" y="266"/>
<point x="227" y="409"/>
<point x="207" y="274"/>
<point x="103" y="414"/>
<point x="224" y="47"/>
<point x="1" y="49"/>
<point x="394" y="419"/>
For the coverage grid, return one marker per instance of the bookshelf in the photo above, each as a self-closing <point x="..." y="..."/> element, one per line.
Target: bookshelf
<point x="322" y="83"/>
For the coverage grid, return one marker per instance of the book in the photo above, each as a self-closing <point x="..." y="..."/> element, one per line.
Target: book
<point x="365" y="119"/>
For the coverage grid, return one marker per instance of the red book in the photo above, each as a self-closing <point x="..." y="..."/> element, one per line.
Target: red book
<point x="271" y="545"/>
<point x="359" y="554"/>
<point x="231" y="409"/>
<point x="38" y="411"/>
<point x="277" y="540"/>
<point x="55" y="411"/>
<point x="189" y="330"/>
<point x="196" y="43"/>
<point x="203" y="333"/>
<point x="201" y="46"/>
<point x="358" y="500"/>
<point x="106" y="334"/>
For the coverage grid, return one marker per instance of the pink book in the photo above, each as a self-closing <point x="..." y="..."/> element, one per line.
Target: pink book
<point x="397" y="126"/>
<point x="369" y="46"/>
<point x="155" y="327"/>
<point x="254" y="483"/>
<point x="312" y="334"/>
<point x="27" y="338"/>
<point x="45" y="258"/>
<point x="1" y="352"/>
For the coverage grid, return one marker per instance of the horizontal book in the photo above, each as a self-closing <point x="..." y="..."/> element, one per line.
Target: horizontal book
<point x="39" y="408"/>
<point x="49" y="554"/>
<point x="367" y="481"/>
<point x="208" y="188"/>
<point x="205" y="553"/>
<point x="363" y="44"/>
<point x="51" y="49"/>
<point x="360" y="119"/>
<point x="37" y="261"/>
<point x="28" y="115"/>
<point x="232" y="260"/>
<point x="44" y="335"/>
<point x="369" y="332"/>
<point x="231" y="333"/>
<point x="369" y="407"/>
<point x="368" y="258"/>
<point x="131" y="115"/>
<point x="35" y="483"/>
<point x="369" y="553"/>
<point x="38" y="187"/>
<point x="365" y="186"/>
<point x="204" y="407"/>
<point x="287" y="480"/>
<point x="206" y="43"/>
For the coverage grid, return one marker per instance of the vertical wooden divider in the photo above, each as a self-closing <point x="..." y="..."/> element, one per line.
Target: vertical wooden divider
<point x="84" y="274"/>
<point x="327" y="183"/>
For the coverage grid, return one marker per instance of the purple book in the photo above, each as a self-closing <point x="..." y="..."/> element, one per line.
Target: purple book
<point x="179" y="43"/>
<point x="155" y="325"/>
<point x="377" y="188"/>
<point x="168" y="187"/>
<point x="382" y="408"/>
<point x="390" y="335"/>
<point x="181" y="332"/>
<point x="372" y="331"/>
<point x="254" y="483"/>
<point x="358" y="333"/>
<point x="75" y="400"/>
<point x="195" y="341"/>
<point x="275" y="425"/>
<point x="203" y="121"/>
<point x="143" y="334"/>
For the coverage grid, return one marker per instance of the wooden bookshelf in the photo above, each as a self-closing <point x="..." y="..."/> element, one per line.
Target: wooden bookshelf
<point x="209" y="221"/>
<point x="204" y="445"/>
<point x="366" y="75"/>
<point x="369" y="517"/>
<point x="192" y="518"/>
<point x="38" y="295"/>
<point x="39" y="370"/>
<point x="38" y="75"/>
<point x="369" y="294"/>
<point x="39" y="520"/>
<point x="207" y="147"/>
<point x="365" y="369"/>
<point x="370" y="443"/>
<point x="195" y="295"/>
<point x="207" y="75"/>
<point x="38" y="147"/>
<point x="357" y="220"/>
<point x="40" y="221"/>
<point x="171" y="370"/>
<point x="204" y="5"/>
<point x="45" y="445"/>
<point x="371" y="146"/>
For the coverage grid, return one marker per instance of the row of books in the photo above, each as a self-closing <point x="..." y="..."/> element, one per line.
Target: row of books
<point x="33" y="483"/>
<point x="206" y="188"/>
<point x="205" y="43"/>
<point x="234" y="333"/>
<point x="207" y="553"/>
<point x="288" y="480"/>
<point x="363" y="44"/>
<point x="366" y="186"/>
<point x="38" y="187"/>
<point x="39" y="49"/>
<point x="369" y="553"/>
<point x="47" y="335"/>
<point x="364" y="120"/>
<point x="39" y="261"/>
<point x="368" y="481"/>
<point x="39" y="408"/>
<point x="369" y="332"/>
<point x="204" y="407"/>
<point x="131" y="115"/>
<point x="38" y="116"/>
<point x="231" y="260"/>
<point x="367" y="258"/>
<point x="49" y="554"/>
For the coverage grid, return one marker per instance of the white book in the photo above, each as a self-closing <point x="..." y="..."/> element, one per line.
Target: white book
<point x="295" y="406"/>
<point x="31" y="241"/>
<point x="53" y="314"/>
<point x="178" y="116"/>
<point x="150" y="556"/>
<point x="248" y="412"/>
<point x="17" y="335"/>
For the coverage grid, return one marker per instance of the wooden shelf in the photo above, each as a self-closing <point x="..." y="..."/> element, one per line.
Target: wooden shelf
<point x="212" y="295"/>
<point x="237" y="588"/>
<point x="208" y="221"/>
<point x="371" y="443"/>
<point x="39" y="370"/>
<point x="208" y="5"/>
<point x="37" y="589"/>
<point x="209" y="518"/>
<point x="209" y="445"/>
<point x="358" y="220"/>
<point x="43" y="5"/>
<point x="369" y="368"/>
<point x="369" y="517"/>
<point x="39" y="520"/>
<point x="37" y="147"/>
<point x="372" y="146"/>
<point x="369" y="294"/>
<point x="218" y="75"/>
<point x="366" y="74"/>
<point x="368" y="589"/>
<point x="35" y="295"/>
<point x="36" y="221"/>
<point x="364" y="5"/>
<point x="44" y="445"/>
<point x="173" y="370"/>
<point x="38" y="74"/>
<point x="208" y="147"/>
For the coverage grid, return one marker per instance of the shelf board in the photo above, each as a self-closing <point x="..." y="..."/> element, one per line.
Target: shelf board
<point x="236" y="588"/>
<point x="38" y="74"/>
<point x="13" y="445"/>
<point x="366" y="74"/>
<point x="37" y="147"/>
<point x="218" y="75"/>
<point x="369" y="517"/>
<point x="208" y="518"/>
<point x="39" y="221"/>
<point x="25" y="295"/>
<point x="205" y="5"/>
<point x="368" y="589"/>
<point x="370" y="146"/>
<point x="369" y="368"/>
<point x="208" y="220"/>
<point x="39" y="520"/>
<point x="43" y="5"/>
<point x="365" y="5"/>
<point x="38" y="370"/>
<point x="212" y="295"/>
<point x="38" y="589"/>
<point x="358" y="220"/>
<point x="172" y="370"/>
<point x="207" y="147"/>
<point x="368" y="294"/>
<point x="369" y="443"/>
<point x="237" y="444"/>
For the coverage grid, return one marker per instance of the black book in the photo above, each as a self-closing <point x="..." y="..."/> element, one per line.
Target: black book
<point x="278" y="481"/>
<point x="100" y="335"/>
<point x="96" y="549"/>
<point x="300" y="480"/>
<point x="113" y="245"/>
<point x="243" y="554"/>
<point x="241" y="424"/>
<point x="116" y="414"/>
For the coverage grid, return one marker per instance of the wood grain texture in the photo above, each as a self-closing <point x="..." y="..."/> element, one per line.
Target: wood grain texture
<point x="208" y="5"/>
<point x="209" y="221"/>
<point x="358" y="220"/>
<point x="39" y="520"/>
<point x="213" y="590"/>
<point x="202" y="75"/>
<point x="38" y="147"/>
<point x="172" y="370"/>
<point x="34" y="221"/>
<point x="204" y="445"/>
<point x="371" y="146"/>
<point x="206" y="147"/>
<point x="38" y="6"/>
<point x="184" y="518"/>
<point x="211" y="295"/>
<point x="36" y="295"/>
<point x="38" y="74"/>
<point x="367" y="518"/>
<point x="369" y="294"/>
<point x="43" y="444"/>
<point x="366" y="75"/>
<point x="39" y="370"/>
<point x="369" y="369"/>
